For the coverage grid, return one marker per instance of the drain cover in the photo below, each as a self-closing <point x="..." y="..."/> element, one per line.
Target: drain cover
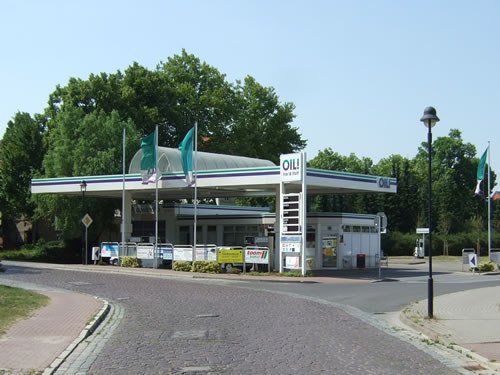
<point x="207" y="316"/>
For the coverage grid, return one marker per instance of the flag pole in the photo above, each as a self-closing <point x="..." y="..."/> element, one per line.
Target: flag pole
<point x="156" y="197"/>
<point x="195" y="185"/>
<point x="489" y="204"/>
<point x="123" y="196"/>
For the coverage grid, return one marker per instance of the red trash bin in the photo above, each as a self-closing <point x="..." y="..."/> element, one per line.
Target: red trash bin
<point x="360" y="260"/>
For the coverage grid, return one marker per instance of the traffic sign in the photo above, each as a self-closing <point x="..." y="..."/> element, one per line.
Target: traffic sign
<point x="422" y="230"/>
<point x="473" y="260"/>
<point x="87" y="220"/>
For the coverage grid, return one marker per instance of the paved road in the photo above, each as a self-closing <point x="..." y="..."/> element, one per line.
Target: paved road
<point x="208" y="327"/>
<point x="403" y="285"/>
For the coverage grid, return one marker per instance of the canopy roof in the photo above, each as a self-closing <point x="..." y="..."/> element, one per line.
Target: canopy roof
<point x="169" y="160"/>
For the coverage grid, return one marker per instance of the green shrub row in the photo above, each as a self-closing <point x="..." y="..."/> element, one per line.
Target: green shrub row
<point x="131" y="262"/>
<point x="205" y="266"/>
<point x="44" y="251"/>
<point x="397" y="243"/>
<point x="487" y="267"/>
<point x="182" y="265"/>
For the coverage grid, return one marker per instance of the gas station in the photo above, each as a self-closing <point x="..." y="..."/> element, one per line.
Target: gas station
<point x="298" y="239"/>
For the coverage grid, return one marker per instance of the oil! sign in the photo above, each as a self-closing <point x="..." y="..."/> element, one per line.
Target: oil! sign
<point x="291" y="167"/>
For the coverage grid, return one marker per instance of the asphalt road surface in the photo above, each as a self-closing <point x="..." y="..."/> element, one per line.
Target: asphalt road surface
<point x="173" y="326"/>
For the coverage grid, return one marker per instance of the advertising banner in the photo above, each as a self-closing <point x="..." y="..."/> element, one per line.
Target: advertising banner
<point x="292" y="262"/>
<point x="109" y="249"/>
<point x="231" y="256"/>
<point x="145" y="251"/>
<point x="165" y="251"/>
<point x="206" y="253"/>
<point x="257" y="255"/>
<point x="183" y="253"/>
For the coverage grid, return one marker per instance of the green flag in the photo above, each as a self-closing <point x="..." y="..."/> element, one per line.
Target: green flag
<point x="148" y="160"/>
<point x="186" y="148"/>
<point x="480" y="172"/>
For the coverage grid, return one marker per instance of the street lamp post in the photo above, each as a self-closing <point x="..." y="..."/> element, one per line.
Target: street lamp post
<point x="83" y="188"/>
<point x="430" y="119"/>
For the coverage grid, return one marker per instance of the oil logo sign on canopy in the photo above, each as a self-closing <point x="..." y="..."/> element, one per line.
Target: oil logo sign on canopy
<point x="291" y="167"/>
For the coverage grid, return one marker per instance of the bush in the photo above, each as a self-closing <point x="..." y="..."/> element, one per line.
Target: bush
<point x="234" y="271"/>
<point x="206" y="266"/>
<point x="182" y="266"/>
<point x="50" y="252"/>
<point x="486" y="267"/>
<point x="132" y="262"/>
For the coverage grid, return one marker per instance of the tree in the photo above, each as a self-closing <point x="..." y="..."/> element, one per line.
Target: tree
<point x="85" y="145"/>
<point x="22" y="151"/>
<point x="262" y="128"/>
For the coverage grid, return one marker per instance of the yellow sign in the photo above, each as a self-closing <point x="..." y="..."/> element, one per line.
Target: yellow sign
<point x="230" y="256"/>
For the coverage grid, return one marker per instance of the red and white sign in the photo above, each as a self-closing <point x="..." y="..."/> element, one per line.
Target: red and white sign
<point x="257" y="255"/>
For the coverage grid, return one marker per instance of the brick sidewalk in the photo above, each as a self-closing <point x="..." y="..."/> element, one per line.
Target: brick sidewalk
<point x="33" y="344"/>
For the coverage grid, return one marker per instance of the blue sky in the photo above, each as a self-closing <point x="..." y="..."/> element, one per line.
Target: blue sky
<point x="359" y="72"/>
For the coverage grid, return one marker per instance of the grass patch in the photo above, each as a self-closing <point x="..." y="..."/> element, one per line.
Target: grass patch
<point x="18" y="304"/>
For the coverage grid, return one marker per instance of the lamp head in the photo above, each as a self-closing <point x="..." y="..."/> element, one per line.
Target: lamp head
<point x="429" y="118"/>
<point x="83" y="186"/>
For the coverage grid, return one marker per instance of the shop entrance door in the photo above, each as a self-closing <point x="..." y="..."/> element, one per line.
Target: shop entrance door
<point x="329" y="245"/>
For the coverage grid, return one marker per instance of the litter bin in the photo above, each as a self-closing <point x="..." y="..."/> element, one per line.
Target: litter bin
<point x="360" y="261"/>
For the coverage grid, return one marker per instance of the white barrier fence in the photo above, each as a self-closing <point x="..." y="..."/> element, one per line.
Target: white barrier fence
<point x="168" y="253"/>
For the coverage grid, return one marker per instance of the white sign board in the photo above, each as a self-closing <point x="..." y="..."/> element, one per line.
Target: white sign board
<point x="292" y="262"/>
<point x="257" y="255"/>
<point x="183" y="253"/>
<point x="422" y="230"/>
<point x="206" y="253"/>
<point x="291" y="166"/>
<point x="145" y="251"/>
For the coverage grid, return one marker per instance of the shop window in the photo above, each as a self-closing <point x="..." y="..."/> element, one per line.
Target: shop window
<point x="365" y="229"/>
<point x="184" y="235"/>
<point x="211" y="234"/>
<point x="311" y="238"/>
<point x="347" y="228"/>
<point x="373" y="230"/>
<point x="356" y="228"/>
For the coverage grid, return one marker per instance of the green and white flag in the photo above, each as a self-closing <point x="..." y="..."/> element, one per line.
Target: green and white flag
<point x="186" y="148"/>
<point x="480" y="172"/>
<point x="148" y="160"/>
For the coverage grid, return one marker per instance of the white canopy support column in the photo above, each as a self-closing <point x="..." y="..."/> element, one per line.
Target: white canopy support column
<point x="127" y="216"/>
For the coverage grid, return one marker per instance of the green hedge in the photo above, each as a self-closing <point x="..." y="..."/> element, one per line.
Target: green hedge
<point x="206" y="266"/>
<point x="182" y="265"/>
<point x="43" y="251"/>
<point x="131" y="262"/>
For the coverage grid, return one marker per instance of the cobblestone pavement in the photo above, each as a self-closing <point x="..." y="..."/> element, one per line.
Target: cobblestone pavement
<point x="178" y="327"/>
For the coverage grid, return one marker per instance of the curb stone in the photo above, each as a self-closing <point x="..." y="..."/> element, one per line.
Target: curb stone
<point x="86" y="332"/>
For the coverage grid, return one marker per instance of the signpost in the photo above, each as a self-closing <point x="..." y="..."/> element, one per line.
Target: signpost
<point x="86" y="220"/>
<point x="293" y="210"/>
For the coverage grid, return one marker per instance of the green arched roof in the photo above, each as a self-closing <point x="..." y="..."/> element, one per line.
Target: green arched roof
<point x="169" y="160"/>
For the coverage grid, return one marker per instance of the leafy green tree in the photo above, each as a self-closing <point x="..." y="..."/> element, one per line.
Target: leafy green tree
<point x="262" y="127"/>
<point x="22" y="152"/>
<point x="85" y="145"/>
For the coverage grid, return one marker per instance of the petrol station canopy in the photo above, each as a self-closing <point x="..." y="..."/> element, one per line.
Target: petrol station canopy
<point x="218" y="176"/>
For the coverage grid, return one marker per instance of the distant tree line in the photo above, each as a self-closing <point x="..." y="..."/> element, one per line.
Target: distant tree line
<point x="455" y="209"/>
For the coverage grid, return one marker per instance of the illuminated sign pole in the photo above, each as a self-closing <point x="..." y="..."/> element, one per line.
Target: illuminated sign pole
<point x="293" y="210"/>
